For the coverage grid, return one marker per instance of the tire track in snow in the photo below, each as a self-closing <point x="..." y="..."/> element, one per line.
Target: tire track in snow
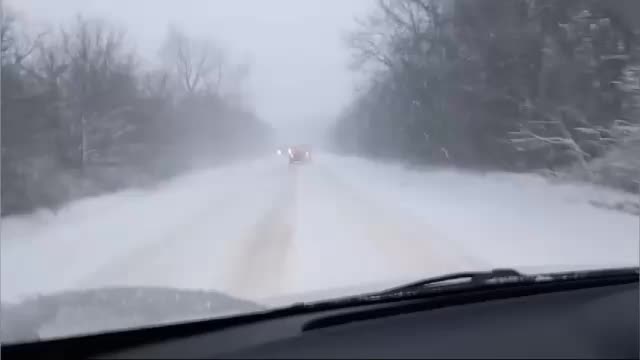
<point x="262" y="259"/>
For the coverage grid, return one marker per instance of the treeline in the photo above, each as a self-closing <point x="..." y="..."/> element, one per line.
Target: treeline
<point x="518" y="85"/>
<point x="82" y="114"/>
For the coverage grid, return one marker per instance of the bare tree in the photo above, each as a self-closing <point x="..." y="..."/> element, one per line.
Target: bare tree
<point x="198" y="64"/>
<point x="16" y="43"/>
<point x="97" y="81"/>
<point x="157" y="84"/>
<point x="78" y="111"/>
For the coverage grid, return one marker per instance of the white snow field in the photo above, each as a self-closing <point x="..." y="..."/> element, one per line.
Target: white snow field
<point x="262" y="230"/>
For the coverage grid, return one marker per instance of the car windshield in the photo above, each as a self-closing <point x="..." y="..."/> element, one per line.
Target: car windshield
<point x="171" y="160"/>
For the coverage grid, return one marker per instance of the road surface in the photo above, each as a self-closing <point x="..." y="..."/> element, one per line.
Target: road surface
<point x="264" y="229"/>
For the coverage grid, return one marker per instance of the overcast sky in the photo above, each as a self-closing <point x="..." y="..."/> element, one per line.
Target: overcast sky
<point x="299" y="76"/>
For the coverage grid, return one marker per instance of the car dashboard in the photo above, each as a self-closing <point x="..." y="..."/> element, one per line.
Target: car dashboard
<point x="588" y="323"/>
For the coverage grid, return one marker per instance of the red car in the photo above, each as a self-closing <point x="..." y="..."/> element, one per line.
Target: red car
<point x="299" y="154"/>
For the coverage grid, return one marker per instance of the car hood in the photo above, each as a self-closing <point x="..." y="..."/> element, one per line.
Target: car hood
<point x="98" y="310"/>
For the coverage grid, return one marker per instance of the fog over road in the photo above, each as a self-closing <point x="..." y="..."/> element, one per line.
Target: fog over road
<point x="264" y="229"/>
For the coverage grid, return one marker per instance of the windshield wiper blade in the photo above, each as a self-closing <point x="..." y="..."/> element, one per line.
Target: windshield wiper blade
<point x="465" y="281"/>
<point x="502" y="277"/>
<point x="471" y="277"/>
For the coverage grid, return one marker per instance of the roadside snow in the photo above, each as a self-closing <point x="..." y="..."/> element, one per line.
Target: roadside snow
<point x="43" y="253"/>
<point x="503" y="219"/>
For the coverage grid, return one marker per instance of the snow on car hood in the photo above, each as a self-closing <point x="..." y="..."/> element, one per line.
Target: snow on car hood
<point x="98" y="310"/>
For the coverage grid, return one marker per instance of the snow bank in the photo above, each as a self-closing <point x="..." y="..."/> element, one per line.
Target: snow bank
<point x="619" y="168"/>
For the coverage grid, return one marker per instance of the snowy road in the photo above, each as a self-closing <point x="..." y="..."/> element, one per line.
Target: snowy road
<point x="264" y="229"/>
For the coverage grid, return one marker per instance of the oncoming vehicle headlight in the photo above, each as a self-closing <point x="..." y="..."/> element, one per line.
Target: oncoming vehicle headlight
<point x="279" y="152"/>
<point x="290" y="152"/>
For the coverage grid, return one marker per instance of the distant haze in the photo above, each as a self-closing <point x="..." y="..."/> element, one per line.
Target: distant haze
<point x="299" y="78"/>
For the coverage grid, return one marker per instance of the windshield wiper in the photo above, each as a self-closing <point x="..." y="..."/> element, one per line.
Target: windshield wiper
<point x="469" y="277"/>
<point x="498" y="277"/>
<point x="465" y="281"/>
